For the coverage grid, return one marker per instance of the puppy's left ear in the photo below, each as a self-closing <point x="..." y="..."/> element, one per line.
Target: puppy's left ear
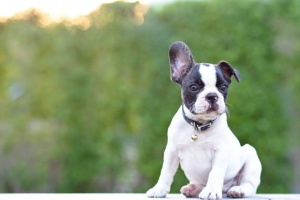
<point x="181" y="61"/>
<point x="228" y="71"/>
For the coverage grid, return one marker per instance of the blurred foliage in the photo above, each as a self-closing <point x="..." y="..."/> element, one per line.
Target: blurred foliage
<point x="85" y="107"/>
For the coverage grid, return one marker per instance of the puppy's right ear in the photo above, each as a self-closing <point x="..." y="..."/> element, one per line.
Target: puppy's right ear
<point x="181" y="61"/>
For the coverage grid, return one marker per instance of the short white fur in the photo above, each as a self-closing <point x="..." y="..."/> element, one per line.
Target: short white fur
<point x="208" y="75"/>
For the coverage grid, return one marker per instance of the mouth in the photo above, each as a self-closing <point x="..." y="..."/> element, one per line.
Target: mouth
<point x="212" y="108"/>
<point x="208" y="111"/>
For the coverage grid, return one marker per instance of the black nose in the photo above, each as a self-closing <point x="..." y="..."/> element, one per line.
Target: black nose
<point x="212" y="97"/>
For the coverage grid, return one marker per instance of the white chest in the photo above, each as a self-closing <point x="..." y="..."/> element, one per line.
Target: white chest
<point x="195" y="158"/>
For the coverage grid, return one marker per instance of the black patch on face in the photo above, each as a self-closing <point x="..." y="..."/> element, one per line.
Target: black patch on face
<point x="221" y="84"/>
<point x="191" y="86"/>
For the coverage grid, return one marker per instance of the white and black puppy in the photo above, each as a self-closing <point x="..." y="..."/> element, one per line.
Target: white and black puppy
<point x="199" y="138"/>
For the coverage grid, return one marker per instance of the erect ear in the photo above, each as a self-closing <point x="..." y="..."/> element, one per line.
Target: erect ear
<point x="181" y="61"/>
<point x="228" y="71"/>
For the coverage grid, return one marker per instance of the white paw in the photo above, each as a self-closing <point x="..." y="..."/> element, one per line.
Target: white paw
<point x="157" y="192"/>
<point x="236" y="192"/>
<point x="190" y="190"/>
<point x="209" y="193"/>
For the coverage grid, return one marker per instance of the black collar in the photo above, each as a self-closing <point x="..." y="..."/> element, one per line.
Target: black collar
<point x="198" y="126"/>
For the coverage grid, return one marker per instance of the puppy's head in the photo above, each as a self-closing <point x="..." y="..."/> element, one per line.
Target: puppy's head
<point x="203" y="86"/>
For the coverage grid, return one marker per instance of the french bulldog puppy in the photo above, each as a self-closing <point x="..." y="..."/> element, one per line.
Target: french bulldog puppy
<point x="199" y="138"/>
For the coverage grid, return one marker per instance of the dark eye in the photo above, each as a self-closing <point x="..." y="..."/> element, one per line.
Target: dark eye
<point x="194" y="87"/>
<point x="224" y="88"/>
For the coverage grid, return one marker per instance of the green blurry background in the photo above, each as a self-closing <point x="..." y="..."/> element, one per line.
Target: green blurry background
<point x="85" y="106"/>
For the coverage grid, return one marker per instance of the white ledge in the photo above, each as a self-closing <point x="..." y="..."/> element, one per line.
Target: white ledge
<point x="128" y="196"/>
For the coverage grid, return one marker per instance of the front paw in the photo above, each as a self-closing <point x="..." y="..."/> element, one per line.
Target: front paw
<point x="190" y="190"/>
<point x="157" y="192"/>
<point x="210" y="193"/>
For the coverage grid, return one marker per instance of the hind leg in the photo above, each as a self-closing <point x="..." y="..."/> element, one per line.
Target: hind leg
<point x="190" y="190"/>
<point x="249" y="177"/>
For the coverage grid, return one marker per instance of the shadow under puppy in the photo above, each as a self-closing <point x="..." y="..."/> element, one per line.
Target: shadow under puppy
<point x="199" y="138"/>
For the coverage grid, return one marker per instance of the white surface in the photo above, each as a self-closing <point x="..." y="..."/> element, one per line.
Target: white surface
<point x="127" y="196"/>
